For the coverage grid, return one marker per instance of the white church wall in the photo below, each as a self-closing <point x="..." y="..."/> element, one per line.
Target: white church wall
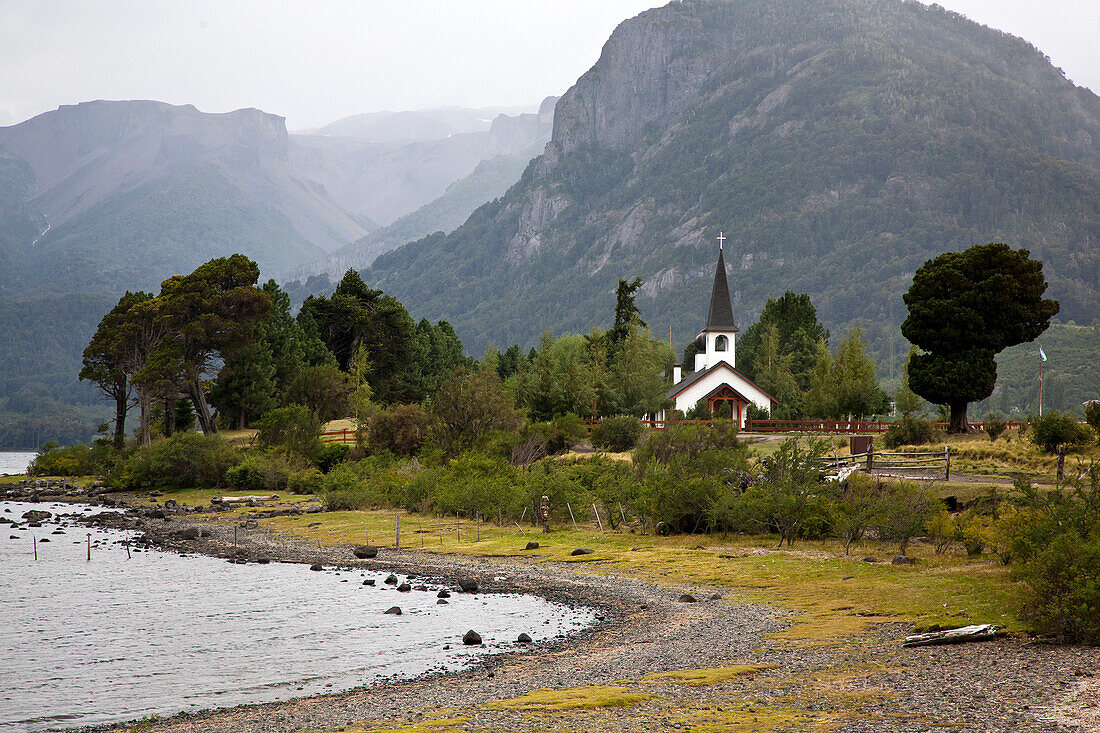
<point x="687" y="399"/>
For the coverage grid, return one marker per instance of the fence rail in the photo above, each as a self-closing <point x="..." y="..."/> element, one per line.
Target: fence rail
<point x="338" y="436"/>
<point x="902" y="465"/>
<point x="802" y="426"/>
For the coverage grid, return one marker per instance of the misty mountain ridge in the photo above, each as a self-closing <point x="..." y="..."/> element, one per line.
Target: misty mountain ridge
<point x="838" y="144"/>
<point x="416" y="125"/>
<point x="107" y="196"/>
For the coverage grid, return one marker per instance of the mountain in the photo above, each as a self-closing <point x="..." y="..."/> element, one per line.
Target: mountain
<point x="131" y="191"/>
<point x="108" y="196"/>
<point x="417" y="125"/>
<point x="837" y="143"/>
<point x="526" y="134"/>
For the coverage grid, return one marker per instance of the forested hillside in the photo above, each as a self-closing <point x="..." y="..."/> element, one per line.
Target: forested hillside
<point x="838" y="144"/>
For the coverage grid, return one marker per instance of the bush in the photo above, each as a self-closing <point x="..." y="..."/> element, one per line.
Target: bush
<point x="905" y="512"/>
<point x="995" y="425"/>
<point x="76" y="460"/>
<point x="617" y="434"/>
<point x="1064" y="590"/>
<point x="909" y="431"/>
<point x="268" y="472"/>
<point x="1092" y="415"/>
<point x="184" y="461"/>
<point x="1057" y="430"/>
<point x="401" y="429"/>
<point x="688" y="440"/>
<point x="330" y="455"/>
<point x="294" y="428"/>
<point x="376" y="481"/>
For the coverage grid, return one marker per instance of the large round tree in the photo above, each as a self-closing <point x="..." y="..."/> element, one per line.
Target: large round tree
<point x="964" y="308"/>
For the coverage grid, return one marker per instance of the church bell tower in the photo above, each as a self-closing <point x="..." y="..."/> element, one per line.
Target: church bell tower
<point x="717" y="340"/>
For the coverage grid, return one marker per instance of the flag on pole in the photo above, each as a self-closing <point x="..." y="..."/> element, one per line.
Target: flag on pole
<point x="1042" y="354"/>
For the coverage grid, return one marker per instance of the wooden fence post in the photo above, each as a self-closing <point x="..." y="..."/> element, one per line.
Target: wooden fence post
<point x="571" y="514"/>
<point x="946" y="463"/>
<point x="398" y="531"/>
<point x="870" y="456"/>
<point x="597" y="513"/>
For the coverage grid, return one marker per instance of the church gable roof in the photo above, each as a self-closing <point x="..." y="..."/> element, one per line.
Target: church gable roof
<point x="720" y="315"/>
<point x="694" y="377"/>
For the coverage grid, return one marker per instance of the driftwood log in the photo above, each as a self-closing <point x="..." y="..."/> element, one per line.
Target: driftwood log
<point x="976" y="632"/>
<point x="241" y="499"/>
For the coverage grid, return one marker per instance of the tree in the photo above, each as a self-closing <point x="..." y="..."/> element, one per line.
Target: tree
<point x="324" y="390"/>
<point x="627" y="315"/>
<point x="357" y="315"/>
<point x="773" y="374"/>
<point x="245" y="388"/>
<point x="469" y="405"/>
<point x="842" y="383"/>
<point x="797" y="331"/>
<point x="102" y="362"/>
<point x="964" y="308"/>
<point x="905" y="399"/>
<point x="208" y="314"/>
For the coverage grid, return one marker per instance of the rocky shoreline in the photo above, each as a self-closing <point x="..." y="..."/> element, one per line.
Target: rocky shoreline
<point x="1005" y="685"/>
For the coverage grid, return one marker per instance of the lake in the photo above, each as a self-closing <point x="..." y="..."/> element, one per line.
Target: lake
<point x="15" y="462"/>
<point x="156" y="633"/>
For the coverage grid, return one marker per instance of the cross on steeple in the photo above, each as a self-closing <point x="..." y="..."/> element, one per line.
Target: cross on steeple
<point x="721" y="240"/>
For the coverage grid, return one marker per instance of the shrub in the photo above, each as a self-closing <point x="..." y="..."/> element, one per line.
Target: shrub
<point x="76" y="460"/>
<point x="1092" y="415"/>
<point x="268" y="472"/>
<point x="1064" y="590"/>
<point x="906" y="509"/>
<point x="861" y="502"/>
<point x="331" y="454"/>
<point x="401" y="429"/>
<point x="294" y="428"/>
<point x="378" y="480"/>
<point x="304" y="481"/>
<point x="184" y="461"/>
<point x="1057" y="430"/>
<point x="688" y="440"/>
<point x="790" y="497"/>
<point x="995" y="425"/>
<point x="617" y="434"/>
<point x="469" y="407"/>
<point x="909" y="430"/>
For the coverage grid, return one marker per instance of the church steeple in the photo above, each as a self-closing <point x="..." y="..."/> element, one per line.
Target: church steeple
<point x="716" y="342"/>
<point x="720" y="315"/>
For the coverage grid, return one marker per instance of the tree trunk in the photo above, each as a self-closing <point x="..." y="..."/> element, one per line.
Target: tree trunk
<point x="120" y="418"/>
<point x="958" y="422"/>
<point x="241" y="421"/>
<point x="202" y="410"/>
<point x="169" y="417"/>
<point x="145" y="402"/>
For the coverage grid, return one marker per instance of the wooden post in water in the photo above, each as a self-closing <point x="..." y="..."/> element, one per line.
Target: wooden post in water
<point x="34" y="544"/>
<point x="89" y="546"/>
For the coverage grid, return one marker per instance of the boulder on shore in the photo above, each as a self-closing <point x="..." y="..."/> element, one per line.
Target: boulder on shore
<point x="523" y="639"/>
<point x="469" y="585"/>
<point x="582" y="551"/>
<point x="471" y="638"/>
<point x="532" y="546"/>
<point x="394" y="610"/>
<point x="365" y="552"/>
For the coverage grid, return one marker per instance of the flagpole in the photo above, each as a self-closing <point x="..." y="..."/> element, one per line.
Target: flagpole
<point x="1040" y="387"/>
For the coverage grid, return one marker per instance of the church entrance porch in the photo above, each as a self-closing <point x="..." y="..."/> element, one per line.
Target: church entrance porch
<point x="724" y="398"/>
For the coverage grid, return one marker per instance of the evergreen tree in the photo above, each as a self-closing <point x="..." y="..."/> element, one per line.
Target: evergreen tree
<point x="964" y="308"/>
<point x="245" y="388"/>
<point x="773" y="375"/>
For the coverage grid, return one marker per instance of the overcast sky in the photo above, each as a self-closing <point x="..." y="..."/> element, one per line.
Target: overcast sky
<point x="316" y="61"/>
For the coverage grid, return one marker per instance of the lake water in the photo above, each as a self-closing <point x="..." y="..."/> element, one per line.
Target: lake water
<point x="15" y="462"/>
<point x="157" y="633"/>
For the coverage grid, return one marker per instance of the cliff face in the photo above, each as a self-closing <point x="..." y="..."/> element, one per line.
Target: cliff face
<point x="837" y="143"/>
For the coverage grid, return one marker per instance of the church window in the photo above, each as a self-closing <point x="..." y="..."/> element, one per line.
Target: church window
<point x="721" y="344"/>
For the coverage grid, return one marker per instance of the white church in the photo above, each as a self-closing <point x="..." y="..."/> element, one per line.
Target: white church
<point x="715" y="379"/>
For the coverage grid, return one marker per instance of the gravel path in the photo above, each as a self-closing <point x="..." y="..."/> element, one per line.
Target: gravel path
<point x="865" y="684"/>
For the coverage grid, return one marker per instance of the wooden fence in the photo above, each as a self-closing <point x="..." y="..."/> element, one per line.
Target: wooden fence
<point x="338" y="436"/>
<point x="927" y="464"/>
<point x="846" y="427"/>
